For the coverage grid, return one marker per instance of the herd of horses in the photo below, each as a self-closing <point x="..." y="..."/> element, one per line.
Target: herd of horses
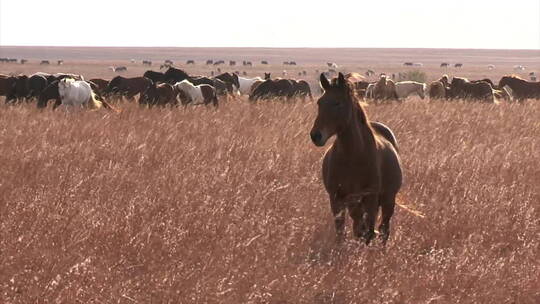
<point x="509" y="88"/>
<point x="172" y="87"/>
<point x="176" y="87"/>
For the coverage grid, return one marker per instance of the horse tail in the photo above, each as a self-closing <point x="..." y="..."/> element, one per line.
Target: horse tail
<point x="94" y="101"/>
<point x="109" y="106"/>
<point x="97" y="99"/>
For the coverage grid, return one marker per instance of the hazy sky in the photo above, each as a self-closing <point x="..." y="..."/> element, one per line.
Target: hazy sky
<point x="279" y="23"/>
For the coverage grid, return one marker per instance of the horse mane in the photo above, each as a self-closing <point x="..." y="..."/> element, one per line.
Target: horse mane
<point x="68" y="79"/>
<point x="514" y="76"/>
<point x="354" y="75"/>
<point x="187" y="82"/>
<point x="359" y="110"/>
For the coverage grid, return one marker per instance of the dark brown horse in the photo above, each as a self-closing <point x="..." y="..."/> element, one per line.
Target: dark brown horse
<point x="254" y="86"/>
<point x="485" y="80"/>
<point x="37" y="83"/>
<point x="50" y="92"/>
<point x="127" y="87"/>
<point x="220" y="86"/>
<point x="277" y="88"/>
<point x="7" y="87"/>
<point x="154" y="76"/>
<point x="174" y="75"/>
<point x="100" y="85"/>
<point x="159" y="95"/>
<point x="230" y="79"/>
<point x="362" y="170"/>
<point x="521" y="89"/>
<point x="21" y="87"/>
<point x="462" y="88"/>
<point x="301" y="89"/>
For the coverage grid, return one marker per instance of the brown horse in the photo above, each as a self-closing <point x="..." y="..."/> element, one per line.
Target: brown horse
<point x="301" y="89"/>
<point x="436" y="90"/>
<point x="7" y="87"/>
<point x="444" y="80"/>
<point x="362" y="170"/>
<point x="158" y="95"/>
<point x="255" y="85"/>
<point x="230" y="79"/>
<point x="101" y="85"/>
<point x="50" y="92"/>
<point x="521" y="89"/>
<point x="277" y="88"/>
<point x="127" y="87"/>
<point x="462" y="88"/>
<point x="485" y="80"/>
<point x="385" y="89"/>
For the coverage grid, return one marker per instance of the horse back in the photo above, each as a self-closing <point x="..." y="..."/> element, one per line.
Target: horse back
<point x="384" y="131"/>
<point x="390" y="163"/>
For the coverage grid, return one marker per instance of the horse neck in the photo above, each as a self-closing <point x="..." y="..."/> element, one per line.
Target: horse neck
<point x="357" y="136"/>
<point x="52" y="92"/>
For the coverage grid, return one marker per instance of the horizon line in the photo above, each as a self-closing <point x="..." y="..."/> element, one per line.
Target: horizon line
<point x="272" y="47"/>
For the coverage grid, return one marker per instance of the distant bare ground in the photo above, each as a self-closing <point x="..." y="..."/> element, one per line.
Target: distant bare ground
<point x="226" y="206"/>
<point x="200" y="205"/>
<point x="94" y="62"/>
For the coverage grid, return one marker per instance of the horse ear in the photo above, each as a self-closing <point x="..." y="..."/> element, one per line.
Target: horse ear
<point x="341" y="80"/>
<point x="324" y="82"/>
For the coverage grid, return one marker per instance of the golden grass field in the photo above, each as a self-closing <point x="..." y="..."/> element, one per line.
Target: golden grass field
<point x="204" y="205"/>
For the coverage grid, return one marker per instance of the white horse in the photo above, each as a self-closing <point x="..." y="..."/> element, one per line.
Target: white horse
<point x="77" y="93"/>
<point x="369" y="91"/>
<point x="195" y="94"/>
<point x="246" y="84"/>
<point x="405" y="88"/>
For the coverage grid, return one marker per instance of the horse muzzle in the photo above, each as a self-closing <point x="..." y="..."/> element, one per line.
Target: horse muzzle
<point x="317" y="138"/>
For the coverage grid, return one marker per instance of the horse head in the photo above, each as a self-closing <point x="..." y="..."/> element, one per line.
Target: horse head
<point x="334" y="109"/>
<point x="505" y="80"/>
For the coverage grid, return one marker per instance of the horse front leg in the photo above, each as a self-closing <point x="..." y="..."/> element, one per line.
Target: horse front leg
<point x="9" y="100"/>
<point x="57" y="103"/>
<point x="338" y="211"/>
<point x="356" y="212"/>
<point x="388" y="203"/>
<point x="371" y="207"/>
<point x="130" y="97"/>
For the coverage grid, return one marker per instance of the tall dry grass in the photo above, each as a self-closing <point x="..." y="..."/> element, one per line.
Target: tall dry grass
<point x="226" y="206"/>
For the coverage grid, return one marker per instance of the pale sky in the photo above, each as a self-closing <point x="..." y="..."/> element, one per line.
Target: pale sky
<point x="497" y="24"/>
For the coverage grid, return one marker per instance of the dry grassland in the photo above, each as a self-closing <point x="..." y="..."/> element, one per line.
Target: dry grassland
<point x="200" y="205"/>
